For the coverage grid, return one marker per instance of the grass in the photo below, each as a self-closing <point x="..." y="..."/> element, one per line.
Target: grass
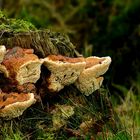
<point x="38" y="125"/>
<point x="129" y="113"/>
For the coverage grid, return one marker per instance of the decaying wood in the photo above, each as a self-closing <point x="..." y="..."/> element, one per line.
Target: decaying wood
<point x="45" y="42"/>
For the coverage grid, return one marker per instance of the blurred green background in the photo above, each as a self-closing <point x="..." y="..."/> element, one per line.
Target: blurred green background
<point x="100" y="28"/>
<point x="96" y="27"/>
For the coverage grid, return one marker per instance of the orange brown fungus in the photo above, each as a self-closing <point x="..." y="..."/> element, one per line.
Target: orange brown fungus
<point x="93" y="61"/>
<point x="17" y="52"/>
<point x="28" y="51"/>
<point x="16" y="57"/>
<point x="26" y="88"/>
<point x="7" y="99"/>
<point x="65" y="59"/>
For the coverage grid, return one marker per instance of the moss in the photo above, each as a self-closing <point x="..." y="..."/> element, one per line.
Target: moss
<point x="21" y="26"/>
<point x="17" y="32"/>
<point x="4" y="27"/>
<point x="14" y="25"/>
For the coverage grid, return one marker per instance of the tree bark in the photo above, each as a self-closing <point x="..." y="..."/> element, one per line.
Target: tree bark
<point x="43" y="42"/>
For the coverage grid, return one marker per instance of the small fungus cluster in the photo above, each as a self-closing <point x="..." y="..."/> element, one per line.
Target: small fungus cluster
<point x="20" y="69"/>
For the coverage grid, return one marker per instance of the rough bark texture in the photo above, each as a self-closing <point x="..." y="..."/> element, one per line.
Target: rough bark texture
<point x="43" y="42"/>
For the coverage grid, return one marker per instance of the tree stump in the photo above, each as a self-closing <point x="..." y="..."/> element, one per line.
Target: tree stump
<point x="45" y="42"/>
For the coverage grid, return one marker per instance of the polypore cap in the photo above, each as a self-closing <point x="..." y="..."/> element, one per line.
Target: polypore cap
<point x="64" y="70"/>
<point x="13" y="105"/>
<point x="2" y="52"/>
<point x="90" y="80"/>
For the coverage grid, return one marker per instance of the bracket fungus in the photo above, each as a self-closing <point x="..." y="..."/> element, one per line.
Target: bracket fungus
<point x="4" y="70"/>
<point x="90" y="80"/>
<point x="22" y="65"/>
<point x="64" y="71"/>
<point x="13" y="105"/>
<point x="2" y="52"/>
<point x="21" y="70"/>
